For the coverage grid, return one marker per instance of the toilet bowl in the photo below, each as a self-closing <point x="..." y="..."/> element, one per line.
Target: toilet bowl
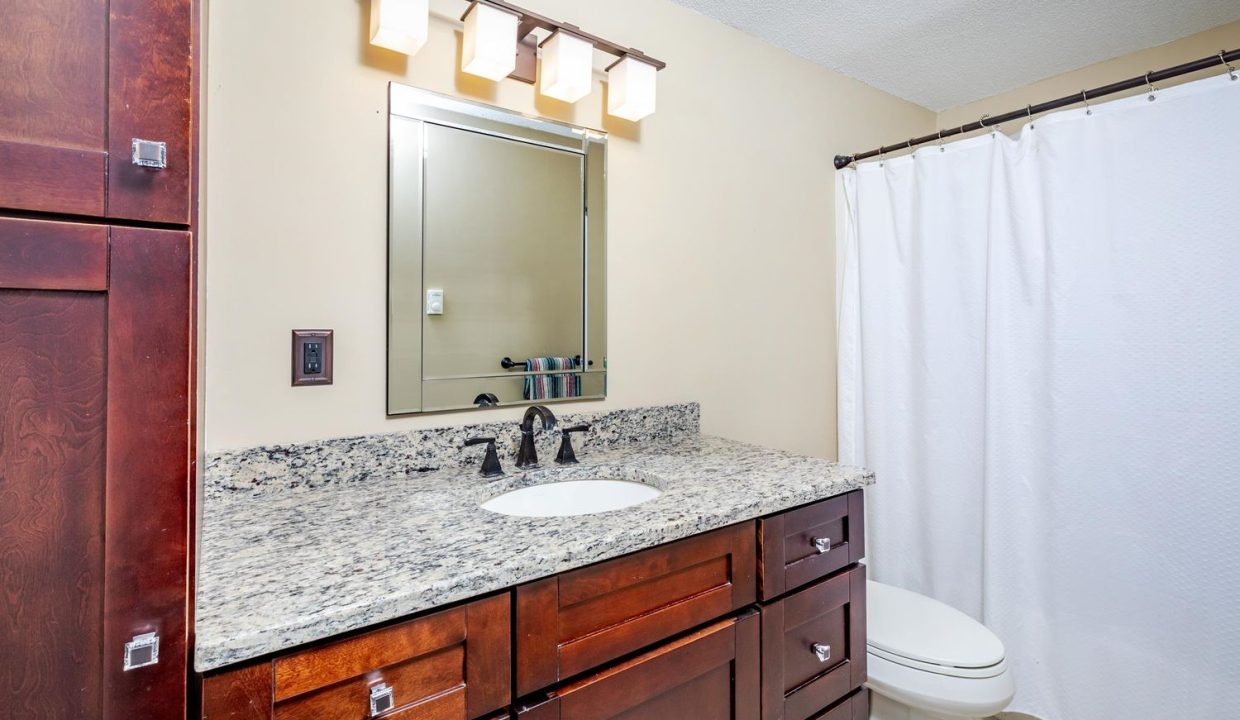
<point x="929" y="661"/>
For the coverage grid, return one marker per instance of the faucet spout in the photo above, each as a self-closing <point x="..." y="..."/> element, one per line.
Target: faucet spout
<point x="527" y="454"/>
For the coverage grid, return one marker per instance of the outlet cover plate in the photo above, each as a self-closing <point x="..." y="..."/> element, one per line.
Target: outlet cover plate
<point x="300" y="339"/>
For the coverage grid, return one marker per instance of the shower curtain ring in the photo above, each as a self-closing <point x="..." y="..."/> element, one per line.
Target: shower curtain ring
<point x="982" y="122"/>
<point x="1085" y="99"/>
<point x="1231" y="70"/>
<point x="1150" y="85"/>
<point x="941" y="148"/>
<point x="1029" y="111"/>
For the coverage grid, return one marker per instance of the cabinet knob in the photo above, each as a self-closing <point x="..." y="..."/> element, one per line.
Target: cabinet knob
<point x="150" y="154"/>
<point x="821" y="544"/>
<point x="822" y="652"/>
<point x="381" y="699"/>
<point x="141" y="651"/>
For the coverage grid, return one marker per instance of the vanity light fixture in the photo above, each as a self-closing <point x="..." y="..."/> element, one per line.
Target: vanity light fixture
<point x="490" y="48"/>
<point x="631" y="88"/>
<point x="501" y="40"/>
<point x="567" y="71"/>
<point x="400" y="25"/>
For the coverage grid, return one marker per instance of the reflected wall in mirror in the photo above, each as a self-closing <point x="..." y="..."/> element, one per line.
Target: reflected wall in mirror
<point x="496" y="257"/>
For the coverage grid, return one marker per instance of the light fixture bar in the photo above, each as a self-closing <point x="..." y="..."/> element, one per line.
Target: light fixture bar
<point x="526" y="47"/>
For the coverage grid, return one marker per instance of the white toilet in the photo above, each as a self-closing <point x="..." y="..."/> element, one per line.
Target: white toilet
<point x="929" y="661"/>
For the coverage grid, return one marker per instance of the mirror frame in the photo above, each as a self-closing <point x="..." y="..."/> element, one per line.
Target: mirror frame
<point x="410" y="111"/>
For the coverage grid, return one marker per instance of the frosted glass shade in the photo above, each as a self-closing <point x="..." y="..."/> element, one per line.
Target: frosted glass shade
<point x="567" y="67"/>
<point x="490" y="42"/>
<point x="631" y="89"/>
<point x="400" y="25"/>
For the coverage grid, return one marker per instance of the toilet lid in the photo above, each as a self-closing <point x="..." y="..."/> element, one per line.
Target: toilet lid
<point x="912" y="626"/>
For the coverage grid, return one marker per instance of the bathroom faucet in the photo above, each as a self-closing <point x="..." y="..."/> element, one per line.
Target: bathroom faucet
<point x="527" y="455"/>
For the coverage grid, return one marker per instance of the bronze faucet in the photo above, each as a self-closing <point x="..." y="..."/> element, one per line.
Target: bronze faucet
<point x="527" y="455"/>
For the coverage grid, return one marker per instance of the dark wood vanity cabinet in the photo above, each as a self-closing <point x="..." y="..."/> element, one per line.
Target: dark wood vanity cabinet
<point x="710" y="674"/>
<point x="95" y="401"/>
<point x="97" y="329"/>
<point x="672" y="632"/>
<point x="80" y="81"/>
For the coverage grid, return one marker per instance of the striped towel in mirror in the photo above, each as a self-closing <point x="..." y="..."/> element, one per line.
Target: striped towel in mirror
<point x="545" y="387"/>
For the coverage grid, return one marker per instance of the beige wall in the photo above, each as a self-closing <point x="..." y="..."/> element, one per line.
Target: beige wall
<point x="1193" y="47"/>
<point x="721" y="261"/>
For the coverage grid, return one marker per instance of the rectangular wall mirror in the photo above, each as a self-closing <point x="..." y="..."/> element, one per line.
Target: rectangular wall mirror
<point x="496" y="257"/>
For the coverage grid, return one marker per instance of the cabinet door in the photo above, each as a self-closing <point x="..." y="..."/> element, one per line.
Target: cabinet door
<point x="579" y="620"/>
<point x="813" y="647"/>
<point x="711" y="674"/>
<point x="94" y="468"/>
<point x="79" y="81"/>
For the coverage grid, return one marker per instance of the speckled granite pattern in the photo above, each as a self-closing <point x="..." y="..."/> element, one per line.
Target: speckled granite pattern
<point x="261" y="470"/>
<point x="281" y="569"/>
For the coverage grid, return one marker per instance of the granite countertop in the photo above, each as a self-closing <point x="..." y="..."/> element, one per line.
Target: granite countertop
<point x="281" y="569"/>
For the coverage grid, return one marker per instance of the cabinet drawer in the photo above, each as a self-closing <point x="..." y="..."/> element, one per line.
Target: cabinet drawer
<point x="711" y="674"/>
<point x="450" y="665"/>
<point x="811" y="542"/>
<point x="580" y="620"/>
<point x="828" y="617"/>
<point x="854" y="707"/>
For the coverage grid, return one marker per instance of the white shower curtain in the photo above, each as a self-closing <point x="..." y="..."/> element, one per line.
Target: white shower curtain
<point x="1040" y="358"/>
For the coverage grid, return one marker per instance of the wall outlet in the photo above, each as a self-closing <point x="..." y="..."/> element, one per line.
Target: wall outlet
<point x="312" y="357"/>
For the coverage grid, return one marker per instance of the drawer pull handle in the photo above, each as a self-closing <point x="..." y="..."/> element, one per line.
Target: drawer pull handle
<point x="381" y="699"/>
<point x="141" y="651"/>
<point x="822" y="545"/>
<point x="149" y="154"/>
<point x="822" y="652"/>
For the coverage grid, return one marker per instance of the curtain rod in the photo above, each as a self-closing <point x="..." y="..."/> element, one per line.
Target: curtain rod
<point x="1222" y="58"/>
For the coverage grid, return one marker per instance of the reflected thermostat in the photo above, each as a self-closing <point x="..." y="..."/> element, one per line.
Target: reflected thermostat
<point x="434" y="302"/>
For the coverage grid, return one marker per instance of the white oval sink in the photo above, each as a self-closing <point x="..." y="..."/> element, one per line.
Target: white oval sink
<point x="573" y="495"/>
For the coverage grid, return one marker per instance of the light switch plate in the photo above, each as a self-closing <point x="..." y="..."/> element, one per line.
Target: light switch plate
<point x="434" y="301"/>
<point x="312" y="357"/>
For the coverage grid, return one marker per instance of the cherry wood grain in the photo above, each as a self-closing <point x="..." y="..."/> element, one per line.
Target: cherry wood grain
<point x="52" y="75"/>
<point x="150" y="96"/>
<point x="53" y="255"/>
<point x="312" y="669"/>
<point x="454" y="664"/>
<point x="488" y="654"/>
<point x="53" y="87"/>
<point x="41" y="178"/>
<point x="434" y="683"/>
<point x="581" y="619"/>
<point x="79" y="80"/>
<point x="52" y="402"/>
<point x="242" y="694"/>
<point x="789" y="558"/>
<point x="795" y="684"/>
<point x="710" y="674"/>
<point x="148" y="480"/>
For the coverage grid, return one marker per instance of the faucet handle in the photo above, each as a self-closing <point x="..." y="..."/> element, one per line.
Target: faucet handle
<point x="490" y="462"/>
<point x="566" y="456"/>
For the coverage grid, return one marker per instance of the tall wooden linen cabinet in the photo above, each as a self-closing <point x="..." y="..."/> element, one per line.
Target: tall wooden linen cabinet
<point x="98" y="199"/>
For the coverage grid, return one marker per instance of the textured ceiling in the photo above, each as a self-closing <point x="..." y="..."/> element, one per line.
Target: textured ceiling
<point x="944" y="53"/>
